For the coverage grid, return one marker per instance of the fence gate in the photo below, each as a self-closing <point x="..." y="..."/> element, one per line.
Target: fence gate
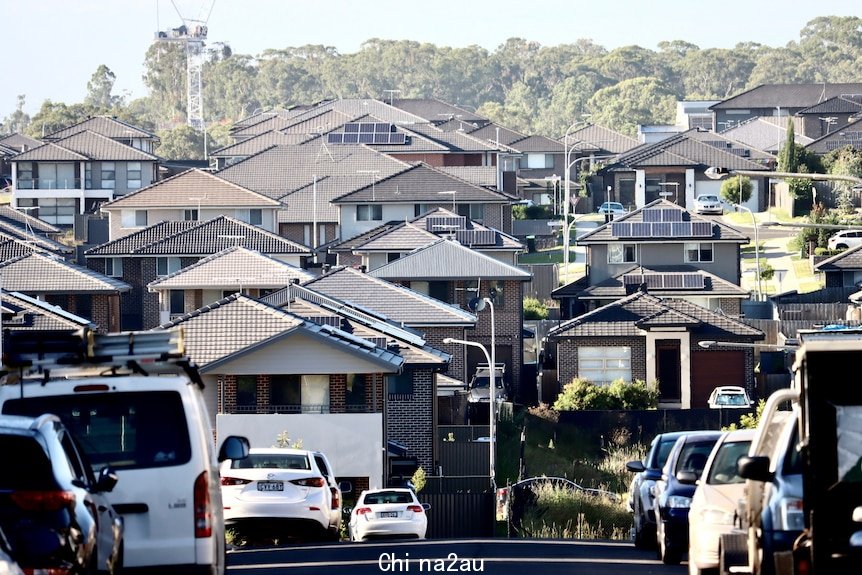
<point x="459" y="515"/>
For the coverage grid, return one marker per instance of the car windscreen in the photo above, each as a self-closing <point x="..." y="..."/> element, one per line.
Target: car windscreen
<point x="387" y="497"/>
<point x="129" y="430"/>
<point x="272" y="461"/>
<point x="664" y="448"/>
<point x="723" y="470"/>
<point x="693" y="456"/>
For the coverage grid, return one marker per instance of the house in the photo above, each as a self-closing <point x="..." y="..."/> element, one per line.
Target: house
<point x="849" y="136"/>
<point x="11" y="145"/>
<point x="73" y="288"/>
<point x="166" y="247"/>
<point x="767" y="133"/>
<point x="653" y="339"/>
<point x="73" y="174"/>
<point x="264" y="377"/>
<point x="674" y="252"/>
<point x="25" y="313"/>
<point x="454" y="273"/>
<point x="193" y="195"/>
<point x="234" y="269"/>
<point x="831" y="115"/>
<point x="113" y="128"/>
<point x="843" y="270"/>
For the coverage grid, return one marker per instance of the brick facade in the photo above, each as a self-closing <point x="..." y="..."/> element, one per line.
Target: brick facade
<point x="410" y="419"/>
<point x="567" y="355"/>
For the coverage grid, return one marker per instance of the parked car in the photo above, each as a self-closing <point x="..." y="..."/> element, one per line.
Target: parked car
<point x="844" y="239"/>
<point x="729" y="396"/>
<point x="479" y="387"/>
<point x="642" y="488"/>
<point x="615" y="208"/>
<point x="294" y="486"/>
<point x="388" y="513"/>
<point x="708" y="204"/>
<point x="8" y="566"/>
<point x="52" y="507"/>
<point x="715" y="501"/>
<point x="673" y="497"/>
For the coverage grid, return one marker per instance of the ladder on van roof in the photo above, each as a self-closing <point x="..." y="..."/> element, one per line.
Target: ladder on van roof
<point x="143" y="352"/>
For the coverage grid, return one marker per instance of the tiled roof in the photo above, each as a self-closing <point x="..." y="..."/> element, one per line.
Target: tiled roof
<point x="640" y="311"/>
<point x="191" y="189"/>
<point x="317" y="122"/>
<point x="12" y="248"/>
<point x="349" y="244"/>
<point x="767" y="133"/>
<point x="239" y="324"/>
<point x="32" y="314"/>
<point x="603" y="139"/>
<point x="435" y="110"/>
<point x="19" y="142"/>
<point x="356" y="107"/>
<point x="261" y="116"/>
<point x="393" y="301"/>
<point x="849" y="135"/>
<point x="39" y="242"/>
<point x="258" y="143"/>
<point x="25" y="221"/>
<point x="314" y="201"/>
<point x="450" y="141"/>
<point x="849" y="259"/>
<point x="448" y="260"/>
<point x="104" y="125"/>
<point x="230" y="268"/>
<point x="89" y="146"/>
<point x="786" y="95"/>
<point x="843" y="104"/>
<point x="485" y="176"/>
<point x="692" y="148"/>
<point x="404" y="237"/>
<point x="720" y="231"/>
<point x="614" y="288"/>
<point x="421" y="183"/>
<point x="177" y="238"/>
<point x="42" y="273"/>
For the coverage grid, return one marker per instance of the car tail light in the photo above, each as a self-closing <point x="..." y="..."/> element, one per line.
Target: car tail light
<point x="234" y="481"/>
<point x="310" y="482"/>
<point x="363" y="510"/>
<point x="415" y="508"/>
<point x="334" y="502"/>
<point x="203" y="507"/>
<point x="43" y="500"/>
<point x="47" y="571"/>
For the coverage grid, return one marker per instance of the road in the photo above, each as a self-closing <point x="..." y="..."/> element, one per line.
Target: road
<point x="490" y="556"/>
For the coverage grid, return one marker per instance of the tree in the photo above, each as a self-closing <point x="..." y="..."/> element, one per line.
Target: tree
<point x="181" y="143"/>
<point x="736" y="189"/>
<point x="846" y="161"/>
<point x="624" y="105"/>
<point x="99" y="90"/>
<point x="534" y="309"/>
<point x="18" y="121"/>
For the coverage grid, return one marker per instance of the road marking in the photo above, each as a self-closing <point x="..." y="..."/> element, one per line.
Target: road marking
<point x="548" y="560"/>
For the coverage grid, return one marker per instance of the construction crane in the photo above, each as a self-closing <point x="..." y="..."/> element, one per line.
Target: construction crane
<point x="193" y="34"/>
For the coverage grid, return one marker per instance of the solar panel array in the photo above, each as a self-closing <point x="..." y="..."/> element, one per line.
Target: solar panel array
<point x="661" y="229"/>
<point x="438" y="224"/>
<point x="668" y="280"/>
<point x="476" y="237"/>
<point x="661" y="215"/>
<point x="367" y="133"/>
<point x="853" y="139"/>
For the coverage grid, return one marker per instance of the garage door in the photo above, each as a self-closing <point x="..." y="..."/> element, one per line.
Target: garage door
<point x="709" y="369"/>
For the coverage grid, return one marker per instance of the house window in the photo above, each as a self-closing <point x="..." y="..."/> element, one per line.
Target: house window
<point x="167" y="266"/>
<point x="698" y="252"/>
<point x="108" y="176"/>
<point x="619" y="253"/>
<point x="134" y="218"/>
<point x="26" y="175"/>
<point x="540" y="161"/>
<point x="190" y="215"/>
<point x="470" y="290"/>
<point x="475" y="212"/>
<point x="177" y="302"/>
<point x="369" y="212"/>
<point x="285" y="395"/>
<point x="400" y="385"/>
<point x="246" y="393"/>
<point x="133" y="175"/>
<point x="58" y="211"/>
<point x="88" y="176"/>
<point x="253" y="216"/>
<point x="605" y="364"/>
<point x="354" y="395"/>
<point x="114" y="267"/>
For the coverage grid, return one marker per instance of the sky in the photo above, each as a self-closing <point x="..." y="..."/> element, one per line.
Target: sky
<point x="53" y="47"/>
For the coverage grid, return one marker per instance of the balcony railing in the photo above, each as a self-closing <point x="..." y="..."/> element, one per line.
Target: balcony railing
<point x="295" y="408"/>
<point x="48" y="184"/>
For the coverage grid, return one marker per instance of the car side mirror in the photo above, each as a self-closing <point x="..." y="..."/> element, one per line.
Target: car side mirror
<point x="686" y="477"/>
<point x="233" y="447"/>
<point x="107" y="479"/>
<point x="755" y="468"/>
<point x="635" y="466"/>
<point x="345" y="486"/>
<point x="426" y="506"/>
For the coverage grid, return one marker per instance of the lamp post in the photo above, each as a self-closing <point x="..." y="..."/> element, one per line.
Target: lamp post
<point x="756" y="244"/>
<point x="567" y="195"/>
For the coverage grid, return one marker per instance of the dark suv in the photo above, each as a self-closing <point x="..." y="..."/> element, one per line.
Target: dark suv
<point x="52" y="508"/>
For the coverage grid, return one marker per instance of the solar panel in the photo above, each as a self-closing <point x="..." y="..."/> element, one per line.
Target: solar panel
<point x="476" y="237"/>
<point x="351" y="138"/>
<point x="654" y="281"/>
<point x="652" y="215"/>
<point x="662" y="229"/>
<point x="335" y="138"/>
<point x="383" y="127"/>
<point x="621" y="229"/>
<point x="381" y="138"/>
<point x="671" y="215"/>
<point x="672" y="281"/>
<point x="397" y="138"/>
<point x="366" y="127"/>
<point x="631" y="279"/>
<point x="681" y="229"/>
<point x="641" y="229"/>
<point x="351" y="127"/>
<point x="701" y="229"/>
<point x="366" y="138"/>
<point x="691" y="280"/>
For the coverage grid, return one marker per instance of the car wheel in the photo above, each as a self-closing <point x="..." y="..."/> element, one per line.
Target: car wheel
<point x="644" y="533"/>
<point x="841" y="247"/>
<point x="668" y="554"/>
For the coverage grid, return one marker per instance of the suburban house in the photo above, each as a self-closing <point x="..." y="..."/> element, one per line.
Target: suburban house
<point x="849" y="136"/>
<point x="676" y="253"/>
<point x="25" y="313"/>
<point x="234" y="269"/>
<point x="832" y="115"/>
<point x="113" y="128"/>
<point x="242" y="149"/>
<point x="166" y="247"/>
<point x="193" y="195"/>
<point x="767" y="133"/>
<point x="73" y="288"/>
<point x="654" y="339"/>
<point x="264" y="377"/>
<point x="11" y="145"/>
<point x="843" y="270"/>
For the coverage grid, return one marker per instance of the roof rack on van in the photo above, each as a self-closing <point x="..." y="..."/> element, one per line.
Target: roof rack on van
<point x="40" y="351"/>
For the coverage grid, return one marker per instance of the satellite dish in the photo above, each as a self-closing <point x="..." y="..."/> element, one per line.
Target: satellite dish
<point x="476" y="304"/>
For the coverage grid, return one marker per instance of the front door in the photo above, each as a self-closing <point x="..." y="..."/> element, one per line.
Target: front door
<point x="667" y="370"/>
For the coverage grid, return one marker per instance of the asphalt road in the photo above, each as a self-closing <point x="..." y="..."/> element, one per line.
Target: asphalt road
<point x="491" y="556"/>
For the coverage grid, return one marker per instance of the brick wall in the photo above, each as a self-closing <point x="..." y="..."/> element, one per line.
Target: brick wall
<point x="337" y="390"/>
<point x="227" y="399"/>
<point x="730" y="305"/>
<point x="264" y="389"/>
<point x="567" y="355"/>
<point x="434" y="337"/>
<point x="410" y="419"/>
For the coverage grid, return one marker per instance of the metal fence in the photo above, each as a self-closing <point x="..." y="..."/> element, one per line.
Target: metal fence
<point x="459" y="515"/>
<point x="546" y="278"/>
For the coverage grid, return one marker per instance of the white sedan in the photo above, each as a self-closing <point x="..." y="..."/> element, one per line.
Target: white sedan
<point x="393" y="512"/>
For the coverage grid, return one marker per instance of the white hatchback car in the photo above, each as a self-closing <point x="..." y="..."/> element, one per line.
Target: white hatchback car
<point x="729" y="396"/>
<point x="844" y="239"/>
<point x="294" y="485"/>
<point x="393" y="512"/>
<point x="713" y="505"/>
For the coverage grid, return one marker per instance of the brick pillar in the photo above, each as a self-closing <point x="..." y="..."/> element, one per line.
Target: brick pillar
<point x="337" y="390"/>
<point x="228" y="383"/>
<point x="374" y="390"/>
<point x="264" y="385"/>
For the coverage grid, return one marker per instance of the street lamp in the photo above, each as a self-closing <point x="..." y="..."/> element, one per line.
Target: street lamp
<point x="567" y="195"/>
<point x="756" y="245"/>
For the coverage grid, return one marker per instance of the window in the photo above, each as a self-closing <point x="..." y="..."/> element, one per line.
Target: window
<point x="58" y="211"/>
<point x="108" y="176"/>
<point x="354" y="396"/>
<point x="697" y="252"/>
<point x="246" y="393"/>
<point x="26" y="174"/>
<point x="114" y="267"/>
<point x="167" y="266"/>
<point x="190" y="215"/>
<point x="285" y="396"/>
<point x="88" y="176"/>
<point x="475" y="212"/>
<point x="134" y="218"/>
<point x="540" y="161"/>
<point x="401" y="384"/>
<point x="252" y="216"/>
<point x="619" y="253"/>
<point x="133" y="175"/>
<point x="605" y="364"/>
<point x="300" y="393"/>
<point x="177" y="302"/>
<point x="369" y="212"/>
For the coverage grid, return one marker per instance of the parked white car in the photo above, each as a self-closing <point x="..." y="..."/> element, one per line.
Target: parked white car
<point x="729" y="396"/>
<point x="295" y="486"/>
<point x="391" y="512"/>
<point x="708" y="204"/>
<point x="715" y="500"/>
<point x="615" y="208"/>
<point x="844" y="239"/>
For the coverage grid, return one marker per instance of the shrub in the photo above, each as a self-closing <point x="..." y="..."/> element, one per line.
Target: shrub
<point x="534" y="309"/>
<point x="583" y="394"/>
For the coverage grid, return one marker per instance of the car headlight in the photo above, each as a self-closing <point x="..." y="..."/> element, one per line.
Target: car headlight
<point x="678" y="502"/>
<point x="717" y="516"/>
<point x="791" y="515"/>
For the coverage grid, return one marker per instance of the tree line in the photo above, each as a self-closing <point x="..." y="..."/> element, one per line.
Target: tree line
<point x="522" y="84"/>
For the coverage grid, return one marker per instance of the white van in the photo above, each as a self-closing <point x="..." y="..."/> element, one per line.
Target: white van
<point x="150" y="425"/>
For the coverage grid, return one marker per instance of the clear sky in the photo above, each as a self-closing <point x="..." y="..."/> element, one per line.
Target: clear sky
<point x="52" y="47"/>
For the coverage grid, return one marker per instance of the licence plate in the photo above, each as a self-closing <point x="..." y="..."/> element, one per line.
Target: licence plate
<point x="387" y="514"/>
<point x="270" y="485"/>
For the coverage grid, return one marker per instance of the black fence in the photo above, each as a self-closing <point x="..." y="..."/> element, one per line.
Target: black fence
<point x="459" y="515"/>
